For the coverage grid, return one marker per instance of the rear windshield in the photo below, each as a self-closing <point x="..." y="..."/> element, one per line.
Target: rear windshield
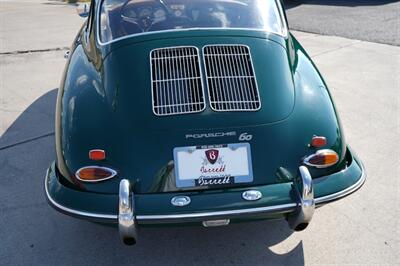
<point x="119" y="18"/>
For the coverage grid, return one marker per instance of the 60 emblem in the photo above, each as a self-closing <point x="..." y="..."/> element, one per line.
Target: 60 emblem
<point x="245" y="137"/>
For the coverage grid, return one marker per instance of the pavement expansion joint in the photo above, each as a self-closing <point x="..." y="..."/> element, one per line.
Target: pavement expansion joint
<point x="34" y="51"/>
<point x="26" y="141"/>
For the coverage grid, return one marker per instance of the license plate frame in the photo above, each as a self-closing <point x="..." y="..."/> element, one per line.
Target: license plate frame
<point x="213" y="165"/>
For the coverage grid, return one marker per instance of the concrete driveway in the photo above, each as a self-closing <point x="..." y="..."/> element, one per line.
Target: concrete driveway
<point x="362" y="229"/>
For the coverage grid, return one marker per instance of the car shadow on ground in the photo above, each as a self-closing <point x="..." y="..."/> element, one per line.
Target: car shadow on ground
<point x="352" y="3"/>
<point x="30" y="226"/>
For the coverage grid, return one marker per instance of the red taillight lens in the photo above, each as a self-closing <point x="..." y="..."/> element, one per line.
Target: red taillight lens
<point x="322" y="159"/>
<point x="95" y="173"/>
<point x="97" y="155"/>
<point x="318" y="142"/>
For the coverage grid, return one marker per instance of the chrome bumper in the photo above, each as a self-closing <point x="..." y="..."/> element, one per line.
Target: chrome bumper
<point x="299" y="212"/>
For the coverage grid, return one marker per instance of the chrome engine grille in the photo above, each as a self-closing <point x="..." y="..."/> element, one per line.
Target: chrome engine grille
<point x="176" y="81"/>
<point x="231" y="80"/>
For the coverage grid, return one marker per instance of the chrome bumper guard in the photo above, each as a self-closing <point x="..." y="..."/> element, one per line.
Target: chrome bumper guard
<point x="127" y="224"/>
<point x="300" y="219"/>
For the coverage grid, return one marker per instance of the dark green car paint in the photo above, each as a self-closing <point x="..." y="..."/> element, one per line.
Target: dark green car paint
<point x="111" y="109"/>
<point x="104" y="102"/>
<point x="211" y="200"/>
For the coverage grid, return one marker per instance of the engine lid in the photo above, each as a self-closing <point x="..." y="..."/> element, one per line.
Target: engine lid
<point x="129" y="77"/>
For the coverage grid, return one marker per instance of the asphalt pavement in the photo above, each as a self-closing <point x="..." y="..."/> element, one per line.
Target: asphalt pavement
<point x="367" y="20"/>
<point x="363" y="229"/>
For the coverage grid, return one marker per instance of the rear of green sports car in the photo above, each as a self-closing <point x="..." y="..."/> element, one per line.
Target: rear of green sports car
<point x="203" y="112"/>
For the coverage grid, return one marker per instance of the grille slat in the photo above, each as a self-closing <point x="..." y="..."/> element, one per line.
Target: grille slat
<point x="231" y="80"/>
<point x="176" y="81"/>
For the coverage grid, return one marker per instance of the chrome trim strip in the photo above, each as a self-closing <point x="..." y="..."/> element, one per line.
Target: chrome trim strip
<point x="290" y="206"/>
<point x="283" y="207"/>
<point x="187" y="30"/>
<point x="285" y="29"/>
<point x="72" y="211"/>
<point x="345" y="192"/>
<point x="283" y="19"/>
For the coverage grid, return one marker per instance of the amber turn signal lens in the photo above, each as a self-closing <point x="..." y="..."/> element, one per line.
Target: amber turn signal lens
<point x="95" y="173"/>
<point x="318" y="141"/>
<point x="322" y="159"/>
<point x="97" y="155"/>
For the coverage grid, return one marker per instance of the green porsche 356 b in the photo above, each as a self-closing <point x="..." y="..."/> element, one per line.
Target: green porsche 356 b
<point x="202" y="111"/>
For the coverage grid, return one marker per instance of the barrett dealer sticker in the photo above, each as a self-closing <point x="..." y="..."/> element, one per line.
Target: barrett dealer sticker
<point x="215" y="165"/>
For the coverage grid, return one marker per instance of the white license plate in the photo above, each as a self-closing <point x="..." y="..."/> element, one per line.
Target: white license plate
<point x="216" y="165"/>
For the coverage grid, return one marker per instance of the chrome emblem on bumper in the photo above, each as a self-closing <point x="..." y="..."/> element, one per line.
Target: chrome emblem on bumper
<point x="252" y="195"/>
<point x="180" y="201"/>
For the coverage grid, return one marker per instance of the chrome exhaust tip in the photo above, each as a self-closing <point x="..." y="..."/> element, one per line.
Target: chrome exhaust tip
<point x="300" y="219"/>
<point x="126" y="218"/>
